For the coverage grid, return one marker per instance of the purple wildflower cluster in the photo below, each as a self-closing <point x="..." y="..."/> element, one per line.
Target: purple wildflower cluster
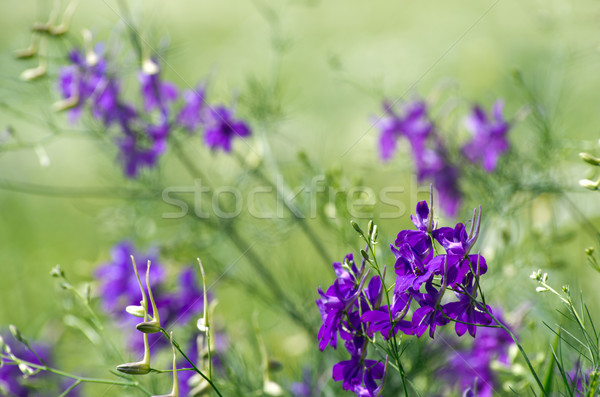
<point x="355" y="310"/>
<point x="430" y="154"/>
<point x="143" y="132"/>
<point x="119" y="288"/>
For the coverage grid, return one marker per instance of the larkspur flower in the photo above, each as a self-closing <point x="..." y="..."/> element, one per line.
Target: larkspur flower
<point x="429" y="314"/>
<point x="466" y="313"/>
<point x="428" y="150"/>
<point x="156" y="93"/>
<point x="118" y="284"/>
<point x="379" y="320"/>
<point x="339" y="298"/>
<point x="191" y="114"/>
<point x="414" y="125"/>
<point x="358" y="372"/>
<point x="489" y="139"/>
<point x="221" y="128"/>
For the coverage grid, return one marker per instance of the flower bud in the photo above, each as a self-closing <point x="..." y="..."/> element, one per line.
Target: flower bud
<point x="138" y="368"/>
<point x="274" y="366"/>
<point x="357" y="228"/>
<point x="201" y="325"/>
<point x="588" y="158"/>
<point x="137" y="311"/>
<point x="149" y="327"/>
<point x="591" y="185"/>
<point x="589" y="250"/>
<point x="149" y="67"/>
<point x="364" y="254"/>
<point x="25" y="369"/>
<point x="272" y="389"/>
<point x="33" y="73"/>
<point x="57" y="272"/>
<point x="17" y="334"/>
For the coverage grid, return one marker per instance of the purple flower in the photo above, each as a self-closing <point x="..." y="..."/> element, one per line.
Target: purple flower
<point x="187" y="302"/>
<point x="221" y="127"/>
<point x="379" y="320"/>
<point x="428" y="315"/>
<point x="334" y="304"/>
<point x="410" y="270"/>
<point x="358" y="372"/>
<point x="157" y="94"/>
<point x="415" y="126"/>
<point x="466" y="313"/>
<point x="428" y="150"/>
<point x="190" y="116"/>
<point x="489" y="140"/>
<point x="118" y="284"/>
<point x="82" y="81"/>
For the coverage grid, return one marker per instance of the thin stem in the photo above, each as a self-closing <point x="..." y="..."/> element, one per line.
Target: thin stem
<point x="295" y="211"/>
<point x="521" y="350"/>
<point x="80" y="379"/>
<point x="172" y="340"/>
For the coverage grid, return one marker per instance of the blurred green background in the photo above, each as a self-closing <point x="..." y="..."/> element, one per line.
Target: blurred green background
<point x="341" y="59"/>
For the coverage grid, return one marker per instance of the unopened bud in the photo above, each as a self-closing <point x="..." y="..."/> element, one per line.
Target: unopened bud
<point x="272" y="389"/>
<point x="57" y="272"/>
<point x="374" y="234"/>
<point x="138" y="368"/>
<point x="26" y="370"/>
<point x="33" y="73"/>
<point x="149" y="327"/>
<point x="201" y="325"/>
<point x="137" y="311"/>
<point x="364" y="254"/>
<point x="17" y="334"/>
<point x="536" y="275"/>
<point x="589" y="250"/>
<point x="149" y="67"/>
<point x="370" y="227"/>
<point x="588" y="158"/>
<point x="541" y="289"/>
<point x="566" y="289"/>
<point x="357" y="228"/>
<point x="274" y="366"/>
<point x="591" y="185"/>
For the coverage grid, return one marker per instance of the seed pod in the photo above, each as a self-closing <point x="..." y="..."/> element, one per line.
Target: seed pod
<point x="138" y="368"/>
<point x="148" y="327"/>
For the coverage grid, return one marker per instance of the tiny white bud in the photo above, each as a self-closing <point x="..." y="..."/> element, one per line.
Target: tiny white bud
<point x="27" y="371"/>
<point x="541" y="289"/>
<point x="201" y="325"/>
<point x="591" y="185"/>
<point x="137" y="311"/>
<point x="150" y="67"/>
<point x="272" y="389"/>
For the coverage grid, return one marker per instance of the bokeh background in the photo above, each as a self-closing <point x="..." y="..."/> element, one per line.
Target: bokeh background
<point x="332" y="62"/>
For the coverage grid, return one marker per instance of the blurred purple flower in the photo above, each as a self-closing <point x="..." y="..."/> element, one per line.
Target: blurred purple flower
<point x="489" y="140"/>
<point x="472" y="369"/>
<point x="118" y="284"/>
<point x="191" y="114"/>
<point x="157" y="94"/>
<point x="221" y="127"/>
<point x="12" y="381"/>
<point x="428" y="150"/>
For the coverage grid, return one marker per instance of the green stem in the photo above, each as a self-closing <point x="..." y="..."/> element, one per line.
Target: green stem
<point x="79" y="379"/>
<point x="172" y="340"/>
